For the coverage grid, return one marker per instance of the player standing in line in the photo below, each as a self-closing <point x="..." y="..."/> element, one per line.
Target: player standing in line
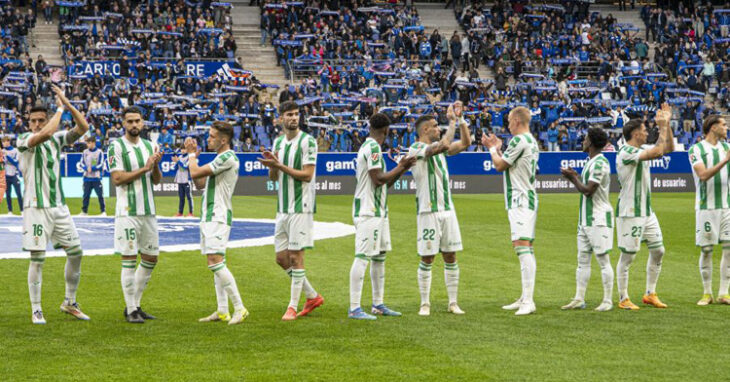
<point x="12" y="175"/>
<point x="292" y="164"/>
<point x="709" y="159"/>
<point x="370" y="215"/>
<point x="636" y="221"/>
<point x="438" y="227"/>
<point x="134" y="168"/>
<point x="519" y="164"/>
<point x="595" y="219"/>
<point x="45" y="214"/>
<point x="182" y="179"/>
<point x="92" y="162"/>
<point x="218" y="180"/>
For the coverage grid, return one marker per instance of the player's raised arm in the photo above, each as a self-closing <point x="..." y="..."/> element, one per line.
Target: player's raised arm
<point x="662" y="120"/>
<point x="464" y="134"/>
<point x="669" y="143"/>
<point x="47" y="131"/>
<point x="82" y="126"/>
<point x="198" y="173"/>
<point x="156" y="172"/>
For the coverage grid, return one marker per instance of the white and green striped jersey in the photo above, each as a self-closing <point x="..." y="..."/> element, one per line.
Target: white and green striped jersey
<point x="217" y="205"/>
<point x="135" y="198"/>
<point x="369" y="199"/>
<point x="713" y="193"/>
<point x="634" y="178"/>
<point x="432" y="180"/>
<point x="519" y="179"/>
<point x="596" y="210"/>
<point x="295" y="196"/>
<point x="41" y="170"/>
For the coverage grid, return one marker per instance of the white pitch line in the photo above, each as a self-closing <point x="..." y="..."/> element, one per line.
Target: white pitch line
<point x="322" y="231"/>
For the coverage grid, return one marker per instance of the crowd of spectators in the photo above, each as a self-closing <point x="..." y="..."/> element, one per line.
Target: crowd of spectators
<point x="572" y="67"/>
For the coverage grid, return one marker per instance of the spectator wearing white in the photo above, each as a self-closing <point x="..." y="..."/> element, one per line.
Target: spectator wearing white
<point x="708" y="73"/>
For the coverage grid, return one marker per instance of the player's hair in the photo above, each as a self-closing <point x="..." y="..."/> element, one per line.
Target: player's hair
<point x="90" y="138"/>
<point x="523" y="114"/>
<point x="288" y="106"/>
<point x="630" y="126"/>
<point x="131" y="110"/>
<point x="224" y="128"/>
<point x="710" y="121"/>
<point x="598" y="137"/>
<point x="379" y="121"/>
<point x="38" y="108"/>
<point x="421" y="120"/>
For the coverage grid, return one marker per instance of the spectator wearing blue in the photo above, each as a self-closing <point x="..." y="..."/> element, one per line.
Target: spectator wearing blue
<point x="182" y="179"/>
<point x="409" y="137"/>
<point x="12" y="178"/>
<point x="165" y="138"/>
<point x="552" y="134"/>
<point x="92" y="162"/>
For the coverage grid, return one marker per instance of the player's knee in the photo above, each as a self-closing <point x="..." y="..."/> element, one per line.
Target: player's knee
<point x="37" y="257"/>
<point x="282" y="258"/>
<point x="148" y="258"/>
<point x="584" y="259"/>
<point x="707" y="250"/>
<point x="449" y="257"/>
<point x="427" y="259"/>
<point x="657" y="252"/>
<point x="296" y="258"/>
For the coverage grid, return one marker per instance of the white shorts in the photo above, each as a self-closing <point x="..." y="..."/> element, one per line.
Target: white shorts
<point x="43" y="224"/>
<point x="136" y="234"/>
<point x="632" y="231"/>
<point x="372" y="235"/>
<point x="294" y="232"/>
<point x="598" y="240"/>
<point x="522" y="223"/>
<point x="438" y="231"/>
<point x="214" y="238"/>
<point x="712" y="227"/>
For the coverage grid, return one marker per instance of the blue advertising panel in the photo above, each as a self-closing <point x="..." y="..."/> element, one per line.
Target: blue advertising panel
<point x="344" y="164"/>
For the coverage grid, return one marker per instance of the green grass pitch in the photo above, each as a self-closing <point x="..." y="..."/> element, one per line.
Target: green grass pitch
<point x="684" y="342"/>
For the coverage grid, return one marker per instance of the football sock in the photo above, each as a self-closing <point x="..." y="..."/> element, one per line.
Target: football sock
<point x="309" y="291"/>
<point x="527" y="268"/>
<point x="35" y="278"/>
<point x="225" y="279"/>
<point x="141" y="278"/>
<point x="604" y="261"/>
<point x="622" y="277"/>
<point x="724" y="272"/>
<point x="377" y="278"/>
<point x="297" y="282"/>
<point x="357" y="275"/>
<point x="424" y="282"/>
<point x="582" y="275"/>
<point x="220" y="296"/>
<point x="451" y="278"/>
<point x="706" y="269"/>
<point x="653" y="268"/>
<point x="72" y="272"/>
<point x="128" y="287"/>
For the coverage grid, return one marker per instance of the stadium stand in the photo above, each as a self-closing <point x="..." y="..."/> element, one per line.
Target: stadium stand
<point x="571" y="65"/>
